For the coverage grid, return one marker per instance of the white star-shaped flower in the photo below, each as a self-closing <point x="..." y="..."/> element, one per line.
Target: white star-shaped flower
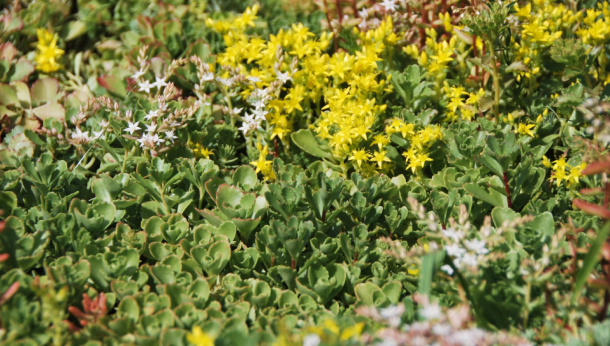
<point x="364" y="14"/>
<point x="208" y="76"/>
<point x="159" y="83"/>
<point x="283" y="76"/>
<point x="145" y="86"/>
<point x="169" y="135"/>
<point x="389" y="5"/>
<point x="151" y="128"/>
<point x="152" y="114"/>
<point x="138" y="74"/>
<point x="81" y="136"/>
<point x="132" y="127"/>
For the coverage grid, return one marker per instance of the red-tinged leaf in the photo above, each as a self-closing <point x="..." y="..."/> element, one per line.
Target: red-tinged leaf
<point x="114" y="85"/>
<point x="11" y="24"/>
<point x="596" y="168"/>
<point x="9" y="293"/>
<point x="592" y="191"/>
<point x="7" y="51"/>
<point x="3" y="257"/>
<point x="592" y="209"/>
<point x="72" y="327"/>
<point x="77" y="312"/>
<point x="599" y="283"/>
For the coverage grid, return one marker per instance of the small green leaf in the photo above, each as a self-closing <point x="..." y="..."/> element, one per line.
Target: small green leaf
<point x="429" y="266"/>
<point x="491" y="164"/>
<point x="493" y="199"/>
<point x="500" y="215"/>
<point x="306" y="141"/>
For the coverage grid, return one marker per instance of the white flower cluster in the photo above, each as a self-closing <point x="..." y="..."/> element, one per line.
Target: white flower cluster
<point x="438" y="326"/>
<point x="259" y="99"/>
<point x="80" y="137"/>
<point x="385" y="7"/>
<point x="596" y="113"/>
<point x="466" y="253"/>
<point x="158" y="131"/>
<point x="253" y="121"/>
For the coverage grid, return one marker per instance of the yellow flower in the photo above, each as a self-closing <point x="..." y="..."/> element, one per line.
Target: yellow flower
<point x="353" y="331"/>
<point x="359" y="156"/>
<point x="525" y="129"/>
<point x="546" y="162"/>
<point x="201" y="151"/>
<point x="417" y="161"/>
<point x="381" y="141"/>
<point x="380" y="157"/>
<point x="199" y="338"/>
<point x="262" y="164"/>
<point x="47" y="52"/>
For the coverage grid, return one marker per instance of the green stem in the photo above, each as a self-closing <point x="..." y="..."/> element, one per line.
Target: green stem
<point x="526" y="311"/>
<point x="496" y="79"/>
<point x="124" y="166"/>
<point x="165" y="206"/>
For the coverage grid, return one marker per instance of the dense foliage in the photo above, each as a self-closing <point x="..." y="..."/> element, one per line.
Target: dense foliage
<point x="304" y="172"/>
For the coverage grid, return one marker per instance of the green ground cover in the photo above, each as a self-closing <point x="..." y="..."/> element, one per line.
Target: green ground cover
<point x="304" y="172"/>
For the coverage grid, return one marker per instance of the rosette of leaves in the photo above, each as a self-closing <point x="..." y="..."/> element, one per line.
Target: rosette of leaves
<point x="322" y="282"/>
<point x="161" y="181"/>
<point x="243" y="209"/>
<point x="96" y="217"/>
<point x="284" y="242"/>
<point x="25" y="250"/>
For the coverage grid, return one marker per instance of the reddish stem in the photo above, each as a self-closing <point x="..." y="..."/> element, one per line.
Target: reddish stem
<point x="330" y="26"/>
<point x="293" y="263"/>
<point x="339" y="11"/>
<point x="482" y="53"/>
<point x="276" y="148"/>
<point x="602" y="314"/>
<point x="474" y="52"/>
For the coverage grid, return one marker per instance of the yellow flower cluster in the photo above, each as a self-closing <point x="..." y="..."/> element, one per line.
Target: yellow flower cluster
<point x="201" y="151"/>
<point x="199" y="338"/>
<point x="330" y="330"/>
<point x="47" y="52"/>
<point x="352" y="84"/>
<point x="234" y="25"/>
<point x="436" y="57"/>
<point x="420" y="141"/>
<point x="347" y="84"/>
<point x="257" y="58"/>
<point x="595" y="28"/>
<point x="542" y="22"/>
<point x="459" y="107"/>
<point x="563" y="171"/>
